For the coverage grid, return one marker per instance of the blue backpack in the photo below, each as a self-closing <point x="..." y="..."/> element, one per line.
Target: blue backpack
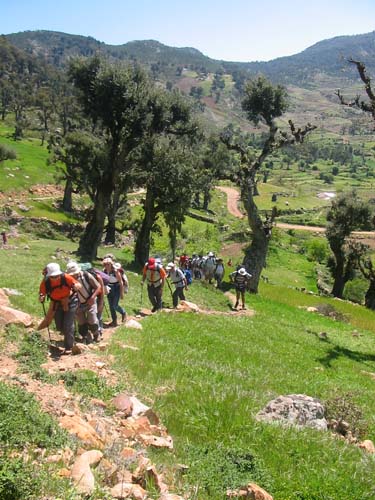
<point x="188" y="276"/>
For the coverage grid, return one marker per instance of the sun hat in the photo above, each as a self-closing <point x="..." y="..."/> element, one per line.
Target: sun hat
<point x="210" y="254"/>
<point x="170" y="265"/>
<point x="116" y="266"/>
<point x="242" y="271"/>
<point x="73" y="268"/>
<point x="53" y="269"/>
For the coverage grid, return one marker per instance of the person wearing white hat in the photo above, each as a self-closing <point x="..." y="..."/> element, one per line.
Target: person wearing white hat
<point x="87" y="312"/>
<point x="177" y="277"/>
<point x="61" y="289"/>
<point x="240" y="278"/>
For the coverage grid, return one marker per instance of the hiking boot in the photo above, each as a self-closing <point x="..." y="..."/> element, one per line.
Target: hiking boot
<point x="96" y="337"/>
<point x="123" y="317"/>
<point x="112" y="324"/>
<point x="154" y="309"/>
<point x="243" y="307"/>
<point x="236" y="305"/>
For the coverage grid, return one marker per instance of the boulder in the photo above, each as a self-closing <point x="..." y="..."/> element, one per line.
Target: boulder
<point x="82" y="429"/>
<point x="367" y="445"/>
<point x="295" y="409"/>
<point x="128" y="490"/>
<point x="81" y="473"/>
<point x="9" y="316"/>
<point x="132" y="323"/>
<point x="123" y="403"/>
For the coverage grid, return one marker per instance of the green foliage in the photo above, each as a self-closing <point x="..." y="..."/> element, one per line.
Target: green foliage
<point x="7" y="153"/>
<point x="88" y="384"/>
<point x="317" y="250"/>
<point x="32" y="353"/>
<point x="18" y="480"/>
<point x="215" y="468"/>
<point x="355" y="290"/>
<point x="263" y="101"/>
<point x="22" y="422"/>
<point x="342" y="407"/>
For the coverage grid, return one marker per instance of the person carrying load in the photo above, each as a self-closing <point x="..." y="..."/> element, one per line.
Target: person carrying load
<point x="155" y="276"/>
<point x="61" y="289"/>
<point x="178" y="278"/>
<point x="87" y="312"/>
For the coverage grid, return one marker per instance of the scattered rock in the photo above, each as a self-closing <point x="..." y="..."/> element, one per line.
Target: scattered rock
<point x="82" y="429"/>
<point x="128" y="490"/>
<point x="367" y="445"/>
<point x="81" y="472"/>
<point x="251" y="491"/>
<point x="157" y="441"/>
<point x="132" y="323"/>
<point x="123" y="403"/>
<point x="295" y="409"/>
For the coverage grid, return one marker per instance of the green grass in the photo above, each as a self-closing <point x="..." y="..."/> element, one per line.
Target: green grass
<point x="30" y="166"/>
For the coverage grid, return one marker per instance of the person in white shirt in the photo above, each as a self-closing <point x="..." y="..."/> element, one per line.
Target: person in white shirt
<point x="177" y="277"/>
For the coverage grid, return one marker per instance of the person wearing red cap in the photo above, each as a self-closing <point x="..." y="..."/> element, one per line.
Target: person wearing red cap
<point x="155" y="276"/>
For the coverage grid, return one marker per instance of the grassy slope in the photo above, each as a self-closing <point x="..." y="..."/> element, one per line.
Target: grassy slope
<point x="210" y="375"/>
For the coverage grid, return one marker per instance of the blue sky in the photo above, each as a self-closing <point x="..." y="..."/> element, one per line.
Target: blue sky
<point x="234" y="30"/>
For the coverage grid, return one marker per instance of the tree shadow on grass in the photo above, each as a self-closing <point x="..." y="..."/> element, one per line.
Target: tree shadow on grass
<point x="336" y="352"/>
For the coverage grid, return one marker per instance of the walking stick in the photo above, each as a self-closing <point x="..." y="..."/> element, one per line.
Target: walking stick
<point x="45" y="314"/>
<point x="170" y="289"/>
<point x="141" y="295"/>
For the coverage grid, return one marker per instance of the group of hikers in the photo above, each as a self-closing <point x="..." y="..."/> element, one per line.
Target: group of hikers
<point x="78" y="294"/>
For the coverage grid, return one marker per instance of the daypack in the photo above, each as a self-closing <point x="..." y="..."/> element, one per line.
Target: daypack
<point x="124" y="278"/>
<point x="49" y="286"/>
<point x="188" y="276"/>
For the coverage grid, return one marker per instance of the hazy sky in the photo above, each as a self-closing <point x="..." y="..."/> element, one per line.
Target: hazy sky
<point x="233" y="30"/>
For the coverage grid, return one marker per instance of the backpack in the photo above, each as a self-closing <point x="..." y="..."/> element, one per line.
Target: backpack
<point x="102" y="274"/>
<point x="125" y="280"/>
<point x="188" y="276"/>
<point x="49" y="286"/>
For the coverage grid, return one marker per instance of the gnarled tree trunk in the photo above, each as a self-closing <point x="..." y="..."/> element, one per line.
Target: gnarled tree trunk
<point x="142" y="245"/>
<point x="256" y="254"/>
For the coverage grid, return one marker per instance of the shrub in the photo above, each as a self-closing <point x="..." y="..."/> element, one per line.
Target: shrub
<point x="215" y="468"/>
<point x="343" y="408"/>
<point x="317" y="250"/>
<point x="355" y="290"/>
<point x="7" y="153"/>
<point x="18" y="479"/>
<point x="22" y="422"/>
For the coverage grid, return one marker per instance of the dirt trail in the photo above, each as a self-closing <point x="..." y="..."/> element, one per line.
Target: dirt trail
<point x="232" y="204"/>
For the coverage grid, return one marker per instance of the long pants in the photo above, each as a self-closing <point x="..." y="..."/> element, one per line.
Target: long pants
<point x="87" y="317"/>
<point x="155" y="294"/>
<point x="113" y="301"/>
<point x="64" y="321"/>
<point x="178" y="294"/>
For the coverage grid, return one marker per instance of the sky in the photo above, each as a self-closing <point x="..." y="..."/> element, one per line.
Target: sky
<point x="231" y="30"/>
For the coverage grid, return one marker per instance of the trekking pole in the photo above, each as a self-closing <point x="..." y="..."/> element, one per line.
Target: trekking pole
<point x="45" y="314"/>
<point x="106" y="310"/>
<point x="141" y="296"/>
<point x="170" y="289"/>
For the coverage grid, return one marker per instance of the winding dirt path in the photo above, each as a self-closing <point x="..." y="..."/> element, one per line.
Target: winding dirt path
<point x="367" y="237"/>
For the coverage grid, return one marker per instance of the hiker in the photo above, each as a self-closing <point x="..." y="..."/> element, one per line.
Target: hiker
<point x="103" y="280"/>
<point x="61" y="289"/>
<point x="184" y="261"/>
<point x="240" y="278"/>
<point x="155" y="276"/>
<point x="87" y="312"/>
<point x="116" y="291"/>
<point x="4" y="236"/>
<point x="178" y="278"/>
<point x="219" y="272"/>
